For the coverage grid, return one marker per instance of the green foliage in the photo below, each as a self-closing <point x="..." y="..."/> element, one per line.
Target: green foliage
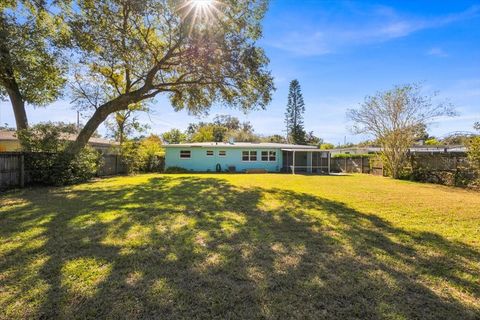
<point x="294" y="114"/>
<point x="196" y="57"/>
<point x="124" y="123"/>
<point x="28" y="33"/>
<point x="276" y="138"/>
<point x="46" y="161"/>
<point x="151" y="154"/>
<point x="222" y="129"/>
<point x="129" y="155"/>
<point x="176" y="170"/>
<point x="174" y="136"/>
<point x="46" y="137"/>
<point x="311" y="139"/>
<point x="432" y="142"/>
<point x="473" y="152"/>
<point x="326" y="146"/>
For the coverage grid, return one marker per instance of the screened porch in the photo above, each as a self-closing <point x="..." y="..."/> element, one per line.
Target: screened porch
<point x="306" y="161"/>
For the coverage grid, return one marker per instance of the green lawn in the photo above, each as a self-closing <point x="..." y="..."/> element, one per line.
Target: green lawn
<point x="241" y="246"/>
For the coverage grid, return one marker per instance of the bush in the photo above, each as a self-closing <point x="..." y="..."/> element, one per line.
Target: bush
<point x="151" y="154"/>
<point x="176" y="170"/>
<point x="46" y="162"/>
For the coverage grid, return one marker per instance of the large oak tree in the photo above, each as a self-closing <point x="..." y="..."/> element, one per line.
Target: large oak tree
<point x="30" y="66"/>
<point x="198" y="52"/>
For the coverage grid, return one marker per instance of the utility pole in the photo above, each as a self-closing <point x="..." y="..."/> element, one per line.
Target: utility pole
<point x="78" y="121"/>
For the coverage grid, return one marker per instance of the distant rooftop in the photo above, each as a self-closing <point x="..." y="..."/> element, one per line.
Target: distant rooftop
<point x="6" y="135"/>
<point x="241" y="145"/>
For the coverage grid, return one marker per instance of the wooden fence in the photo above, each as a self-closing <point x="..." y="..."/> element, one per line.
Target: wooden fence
<point x="14" y="174"/>
<point x="12" y="169"/>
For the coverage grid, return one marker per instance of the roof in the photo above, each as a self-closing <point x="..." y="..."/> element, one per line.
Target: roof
<point x="419" y="149"/>
<point x="11" y="136"/>
<point x="240" y="145"/>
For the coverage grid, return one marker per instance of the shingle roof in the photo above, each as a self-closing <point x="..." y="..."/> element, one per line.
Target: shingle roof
<point x="241" y="145"/>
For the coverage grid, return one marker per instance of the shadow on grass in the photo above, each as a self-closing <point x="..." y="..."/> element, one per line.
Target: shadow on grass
<point x="197" y="247"/>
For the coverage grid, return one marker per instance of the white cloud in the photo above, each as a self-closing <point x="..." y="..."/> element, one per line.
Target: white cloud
<point x="377" y="24"/>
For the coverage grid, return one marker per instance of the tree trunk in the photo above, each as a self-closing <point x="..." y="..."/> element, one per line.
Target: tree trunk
<point x="100" y="115"/>
<point x="18" y="106"/>
<point x="7" y="79"/>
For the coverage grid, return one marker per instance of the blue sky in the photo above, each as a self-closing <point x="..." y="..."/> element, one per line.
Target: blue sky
<point x="341" y="51"/>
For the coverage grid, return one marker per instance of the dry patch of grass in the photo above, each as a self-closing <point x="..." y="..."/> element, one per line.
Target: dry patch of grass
<point x="240" y="246"/>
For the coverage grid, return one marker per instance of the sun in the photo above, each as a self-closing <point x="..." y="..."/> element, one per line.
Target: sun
<point x="202" y="4"/>
<point x="199" y="9"/>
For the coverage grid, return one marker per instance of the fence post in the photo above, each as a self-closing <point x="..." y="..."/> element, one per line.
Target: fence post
<point x="345" y="164"/>
<point x="361" y="164"/>
<point x="22" y="170"/>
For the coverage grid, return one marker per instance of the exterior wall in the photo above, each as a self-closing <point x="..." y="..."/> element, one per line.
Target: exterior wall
<point x="9" y="146"/>
<point x="199" y="160"/>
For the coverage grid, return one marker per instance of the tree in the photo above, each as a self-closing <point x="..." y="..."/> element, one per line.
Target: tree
<point x="149" y="151"/>
<point x="276" y="138"/>
<point x="174" y="136"/>
<point x="311" y="139"/>
<point x="125" y="122"/>
<point x="476" y="125"/>
<point x="394" y="117"/>
<point x="294" y="114"/>
<point x="30" y="67"/>
<point x="133" y="50"/>
<point x="327" y="146"/>
<point x="473" y="145"/>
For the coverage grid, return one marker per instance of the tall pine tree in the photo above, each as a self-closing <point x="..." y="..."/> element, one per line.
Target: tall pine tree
<point x="294" y="114"/>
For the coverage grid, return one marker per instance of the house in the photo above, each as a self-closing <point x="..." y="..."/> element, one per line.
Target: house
<point x="246" y="156"/>
<point x="10" y="143"/>
<point x="424" y="149"/>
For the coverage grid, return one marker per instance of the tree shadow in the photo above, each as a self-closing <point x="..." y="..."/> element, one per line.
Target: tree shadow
<point x="200" y="247"/>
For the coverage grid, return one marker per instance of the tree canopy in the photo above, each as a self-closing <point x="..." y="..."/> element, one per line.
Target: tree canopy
<point x="133" y="50"/>
<point x="394" y="117"/>
<point x="31" y="68"/>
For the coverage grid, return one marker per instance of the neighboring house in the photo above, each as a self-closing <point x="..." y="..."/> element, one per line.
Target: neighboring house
<point x="10" y="143"/>
<point x="415" y="149"/>
<point x="246" y="156"/>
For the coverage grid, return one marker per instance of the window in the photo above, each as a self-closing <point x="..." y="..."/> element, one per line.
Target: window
<point x="222" y="153"/>
<point x="272" y="156"/>
<point x="264" y="155"/>
<point x="269" y="156"/>
<point x="209" y="153"/>
<point x="185" y="154"/>
<point x="249" y="155"/>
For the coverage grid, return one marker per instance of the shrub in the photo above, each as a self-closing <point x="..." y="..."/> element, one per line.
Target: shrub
<point x="151" y="154"/>
<point x="47" y="164"/>
<point x="176" y="170"/>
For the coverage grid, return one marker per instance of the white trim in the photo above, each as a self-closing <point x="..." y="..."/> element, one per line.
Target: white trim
<point x="250" y="156"/>
<point x="209" y="155"/>
<point x="222" y="151"/>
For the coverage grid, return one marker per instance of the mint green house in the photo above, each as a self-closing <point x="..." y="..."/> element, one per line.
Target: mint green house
<point x="245" y="156"/>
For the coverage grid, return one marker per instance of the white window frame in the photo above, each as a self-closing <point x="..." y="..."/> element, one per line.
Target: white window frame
<point x="250" y="155"/>
<point x="222" y="155"/>
<point x="185" y="158"/>
<point x="269" y="156"/>
<point x="209" y="155"/>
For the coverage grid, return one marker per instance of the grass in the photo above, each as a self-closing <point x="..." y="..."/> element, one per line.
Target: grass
<point x="240" y="246"/>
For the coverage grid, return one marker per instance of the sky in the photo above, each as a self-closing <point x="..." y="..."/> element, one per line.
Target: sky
<point x="340" y="52"/>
